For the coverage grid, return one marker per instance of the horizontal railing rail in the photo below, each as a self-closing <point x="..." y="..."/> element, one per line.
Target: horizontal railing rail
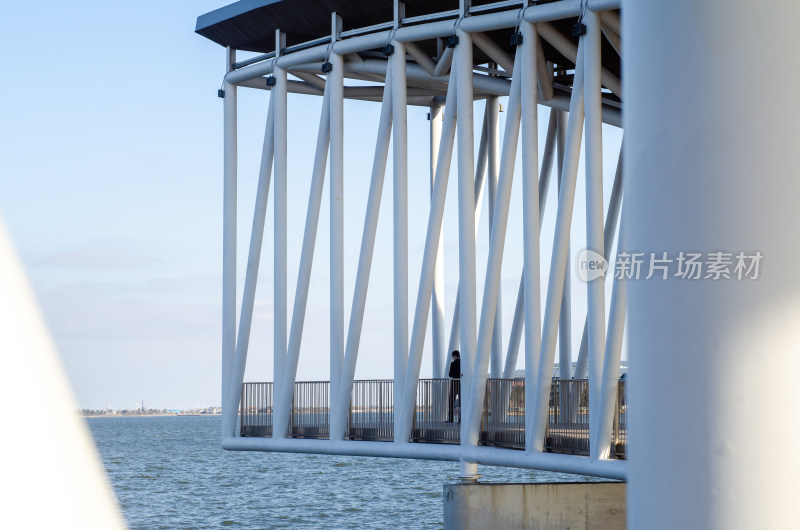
<point x="437" y="413"/>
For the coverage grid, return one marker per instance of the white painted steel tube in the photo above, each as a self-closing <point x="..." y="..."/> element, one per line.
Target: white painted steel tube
<point x="280" y="185"/>
<point x="336" y="188"/>
<point x="610" y="381"/>
<point x="432" y="239"/>
<point x="491" y="287"/>
<point x="284" y="398"/>
<point x="713" y="361"/>
<point x="365" y="257"/>
<point x="400" y="223"/>
<point x="228" y="248"/>
<point x="614" y="469"/>
<point x="311" y="79"/>
<point x="565" y="317"/>
<point x="428" y="87"/>
<point x="544" y="74"/>
<point x="593" y="164"/>
<point x="494" y="85"/>
<point x="613" y="38"/>
<point x="612" y="21"/>
<point x="568" y="49"/>
<point x="612" y="218"/>
<point x="493" y="169"/>
<point x="519" y="309"/>
<point x="444" y="62"/>
<point x="421" y="58"/>
<point x="439" y="355"/>
<point x="494" y="51"/>
<point x="480" y="174"/>
<point x="472" y="24"/>
<point x="251" y="275"/>
<point x="559" y="260"/>
<point x="466" y="221"/>
<point x="531" y="215"/>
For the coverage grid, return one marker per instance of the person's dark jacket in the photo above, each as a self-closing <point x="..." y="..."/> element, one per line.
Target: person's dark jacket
<point x="455" y="369"/>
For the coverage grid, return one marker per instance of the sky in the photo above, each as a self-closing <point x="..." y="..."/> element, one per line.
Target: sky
<point x="111" y="187"/>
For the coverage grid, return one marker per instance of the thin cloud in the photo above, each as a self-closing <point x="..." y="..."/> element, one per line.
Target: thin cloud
<point x="96" y="259"/>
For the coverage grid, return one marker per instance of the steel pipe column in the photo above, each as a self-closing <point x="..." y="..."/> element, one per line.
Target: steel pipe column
<point x="364" y="261"/>
<point x="531" y="217"/>
<point x="712" y="167"/>
<point x="466" y="229"/>
<point x="493" y="170"/>
<point x="491" y="289"/>
<point x="400" y="217"/>
<point x="284" y="396"/>
<point x="251" y="275"/>
<point x="336" y="82"/>
<point x="439" y="355"/>
<point x="279" y="194"/>
<point x="228" y="239"/>
<point x="596" y="306"/>
<point x="566" y="198"/>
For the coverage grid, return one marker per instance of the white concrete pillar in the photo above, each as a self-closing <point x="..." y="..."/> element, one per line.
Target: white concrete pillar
<point x="711" y="158"/>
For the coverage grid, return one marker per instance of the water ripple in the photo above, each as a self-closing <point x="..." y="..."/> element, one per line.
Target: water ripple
<point x="170" y="472"/>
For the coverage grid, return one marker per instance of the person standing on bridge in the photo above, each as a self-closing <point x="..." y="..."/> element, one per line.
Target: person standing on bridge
<point x="455" y="385"/>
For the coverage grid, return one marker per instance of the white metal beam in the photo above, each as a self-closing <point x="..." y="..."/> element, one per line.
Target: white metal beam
<point x="596" y="305"/>
<point x="612" y="218"/>
<point x="488" y="314"/>
<point x="439" y="355"/>
<point x="493" y="168"/>
<point x="614" y="469"/>
<point x="531" y="219"/>
<point x="566" y="199"/>
<point x="285" y="391"/>
<point x="281" y="159"/>
<point x="519" y="311"/>
<point x="466" y="229"/>
<point x="433" y="234"/>
<point x="400" y="223"/>
<point x="364" y="262"/>
<point x="336" y="188"/>
<point x="228" y="239"/>
<point x="251" y="275"/>
<point x="601" y="429"/>
<point x="480" y="178"/>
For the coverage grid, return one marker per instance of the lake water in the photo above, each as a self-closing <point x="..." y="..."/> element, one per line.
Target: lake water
<point x="170" y="472"/>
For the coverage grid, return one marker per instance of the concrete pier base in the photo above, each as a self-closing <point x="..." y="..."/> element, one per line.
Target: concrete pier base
<point x="582" y="505"/>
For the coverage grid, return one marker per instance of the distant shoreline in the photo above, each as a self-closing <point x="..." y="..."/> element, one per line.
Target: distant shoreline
<point x="143" y="415"/>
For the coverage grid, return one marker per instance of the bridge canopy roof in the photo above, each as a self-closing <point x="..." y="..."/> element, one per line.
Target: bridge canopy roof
<point x="250" y="25"/>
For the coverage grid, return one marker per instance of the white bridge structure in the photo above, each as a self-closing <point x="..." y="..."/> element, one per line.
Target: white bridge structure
<point x="710" y="156"/>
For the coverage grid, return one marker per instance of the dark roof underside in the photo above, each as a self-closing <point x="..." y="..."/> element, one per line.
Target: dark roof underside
<point x="250" y="24"/>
